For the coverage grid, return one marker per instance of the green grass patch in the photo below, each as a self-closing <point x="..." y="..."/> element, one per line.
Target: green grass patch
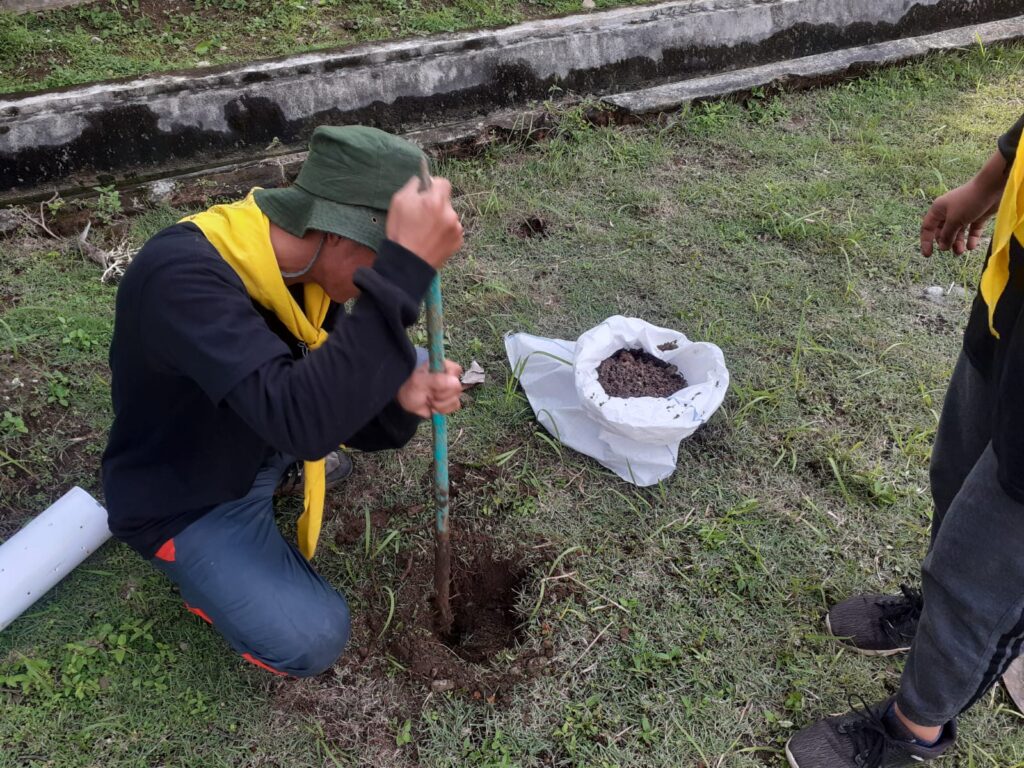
<point x="123" y="38"/>
<point x="784" y="231"/>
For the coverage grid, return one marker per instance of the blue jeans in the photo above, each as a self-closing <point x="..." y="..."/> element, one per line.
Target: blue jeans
<point x="236" y="571"/>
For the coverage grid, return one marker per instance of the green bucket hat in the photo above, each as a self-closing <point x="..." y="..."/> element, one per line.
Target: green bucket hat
<point x="345" y="185"/>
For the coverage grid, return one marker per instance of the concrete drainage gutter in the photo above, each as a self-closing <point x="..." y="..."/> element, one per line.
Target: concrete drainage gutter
<point x="24" y="6"/>
<point x="132" y="131"/>
<point x="811" y="69"/>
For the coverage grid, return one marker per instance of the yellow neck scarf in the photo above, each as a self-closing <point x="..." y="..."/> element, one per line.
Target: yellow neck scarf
<point x="241" y="234"/>
<point x="1009" y="224"/>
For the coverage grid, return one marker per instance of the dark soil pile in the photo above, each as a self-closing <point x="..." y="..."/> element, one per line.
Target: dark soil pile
<point x="398" y="658"/>
<point x="481" y="655"/>
<point x="486" y="622"/>
<point x="533" y="226"/>
<point x="354" y="529"/>
<point x="636" y="373"/>
<point x="489" y="647"/>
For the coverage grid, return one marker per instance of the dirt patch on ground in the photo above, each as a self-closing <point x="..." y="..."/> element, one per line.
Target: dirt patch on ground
<point x="480" y="656"/>
<point x="532" y="226"/>
<point x="161" y="10"/>
<point x="354" y="528"/>
<point x="466" y="478"/>
<point x="398" y="658"/>
<point x="486" y="652"/>
<point x="484" y="605"/>
<point x="9" y="296"/>
<point x="60" y="448"/>
<point x="636" y="373"/>
<point x="354" y="708"/>
<point x="935" y="323"/>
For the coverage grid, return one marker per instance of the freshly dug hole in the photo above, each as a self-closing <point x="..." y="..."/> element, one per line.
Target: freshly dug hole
<point x="483" y="599"/>
<point x="637" y="373"/>
<point x="532" y="226"/>
<point x="484" y="606"/>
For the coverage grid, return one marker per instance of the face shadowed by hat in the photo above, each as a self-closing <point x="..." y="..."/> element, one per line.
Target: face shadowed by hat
<point x="345" y="185"/>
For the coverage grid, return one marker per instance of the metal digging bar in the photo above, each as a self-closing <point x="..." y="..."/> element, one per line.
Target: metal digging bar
<point x="443" y="544"/>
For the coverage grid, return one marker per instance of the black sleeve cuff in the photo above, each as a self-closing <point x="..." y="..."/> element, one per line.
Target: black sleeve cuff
<point x="404" y="269"/>
<point x="1010" y="140"/>
<point x="403" y="425"/>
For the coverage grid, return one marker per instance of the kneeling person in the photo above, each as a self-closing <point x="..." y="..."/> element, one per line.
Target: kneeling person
<point x="232" y="358"/>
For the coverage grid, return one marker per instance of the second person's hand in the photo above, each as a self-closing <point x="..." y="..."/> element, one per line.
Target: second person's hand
<point x="956" y="219"/>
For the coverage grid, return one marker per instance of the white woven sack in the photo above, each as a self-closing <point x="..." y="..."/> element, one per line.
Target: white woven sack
<point x="637" y="438"/>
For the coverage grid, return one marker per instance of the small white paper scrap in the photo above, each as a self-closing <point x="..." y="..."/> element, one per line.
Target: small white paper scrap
<point x="475" y="375"/>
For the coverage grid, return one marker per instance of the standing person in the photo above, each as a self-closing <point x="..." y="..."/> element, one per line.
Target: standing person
<point x="232" y="357"/>
<point x="966" y="626"/>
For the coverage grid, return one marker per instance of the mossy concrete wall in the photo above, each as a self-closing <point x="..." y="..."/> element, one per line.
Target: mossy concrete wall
<point x="24" y="6"/>
<point x="118" y="132"/>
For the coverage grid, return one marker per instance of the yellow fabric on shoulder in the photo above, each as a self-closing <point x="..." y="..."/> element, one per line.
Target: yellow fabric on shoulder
<point x="241" y="234"/>
<point x="1009" y="224"/>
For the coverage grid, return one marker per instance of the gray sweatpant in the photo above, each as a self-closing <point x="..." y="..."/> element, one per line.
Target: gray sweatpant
<point x="972" y="626"/>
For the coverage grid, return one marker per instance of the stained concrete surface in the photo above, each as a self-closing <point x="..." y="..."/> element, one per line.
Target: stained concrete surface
<point x="119" y="132"/>
<point x="811" y="69"/>
<point x="24" y="6"/>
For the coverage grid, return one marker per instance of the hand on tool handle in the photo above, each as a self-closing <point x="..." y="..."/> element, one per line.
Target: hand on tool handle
<point x="421" y="219"/>
<point x="427" y="393"/>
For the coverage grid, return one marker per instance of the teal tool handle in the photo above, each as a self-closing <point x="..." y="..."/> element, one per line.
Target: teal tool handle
<point x="435" y="336"/>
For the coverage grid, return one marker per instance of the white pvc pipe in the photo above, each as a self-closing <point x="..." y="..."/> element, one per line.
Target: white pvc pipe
<point x="48" y="549"/>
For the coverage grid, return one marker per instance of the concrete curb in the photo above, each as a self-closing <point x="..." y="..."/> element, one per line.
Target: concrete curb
<point x="811" y="69"/>
<point x="26" y="6"/>
<point x="469" y="136"/>
<point x="120" y="132"/>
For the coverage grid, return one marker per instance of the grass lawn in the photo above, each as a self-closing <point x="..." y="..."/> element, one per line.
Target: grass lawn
<point x="121" y="38"/>
<point x="691" y="633"/>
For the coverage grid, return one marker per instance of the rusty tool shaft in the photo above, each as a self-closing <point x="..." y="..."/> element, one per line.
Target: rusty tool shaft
<point x="443" y="547"/>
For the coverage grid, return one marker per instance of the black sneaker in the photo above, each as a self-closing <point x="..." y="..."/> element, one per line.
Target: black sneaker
<point x="877" y="625"/>
<point x="861" y="739"/>
<point x="338" y="466"/>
